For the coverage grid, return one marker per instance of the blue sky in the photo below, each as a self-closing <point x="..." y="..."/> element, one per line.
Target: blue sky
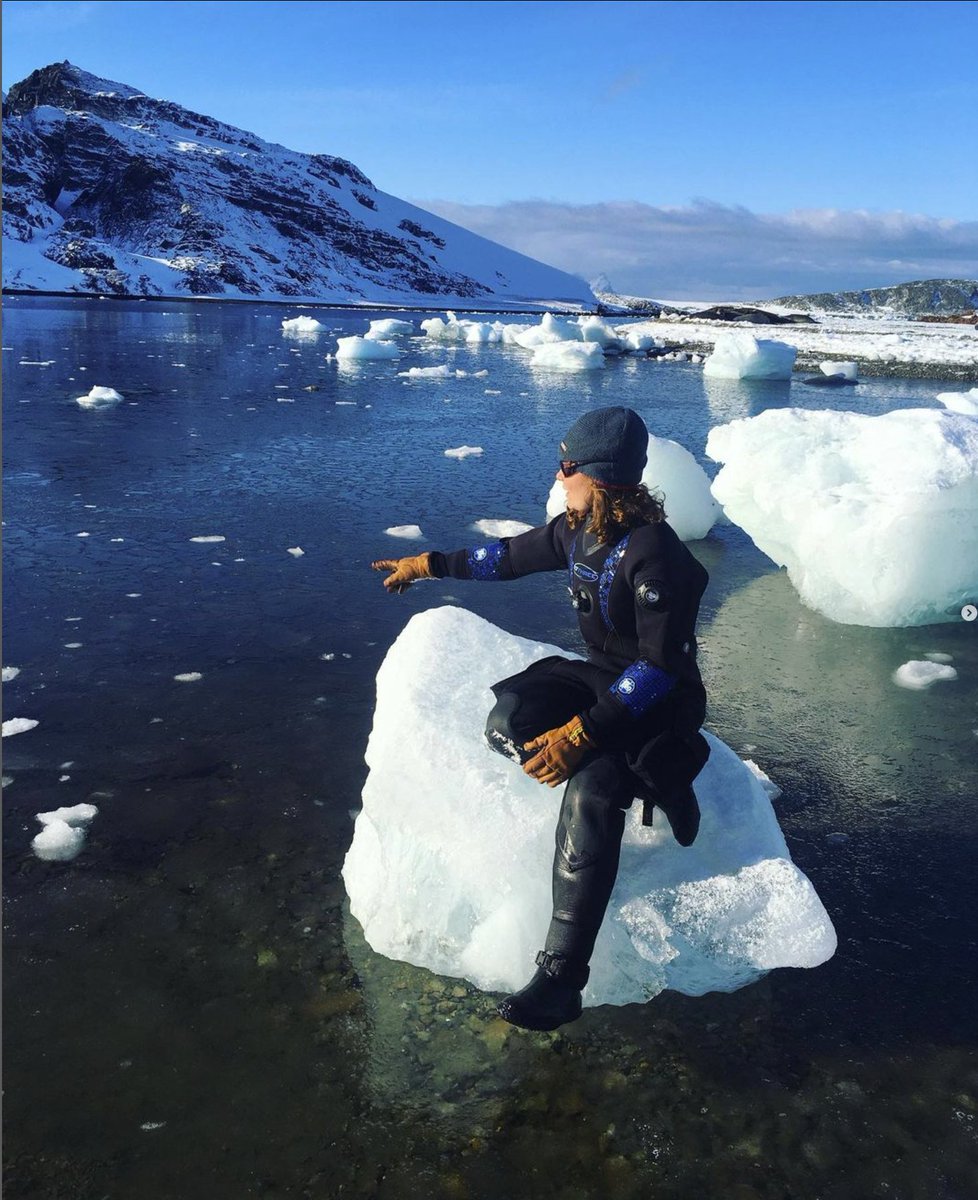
<point x="693" y="147"/>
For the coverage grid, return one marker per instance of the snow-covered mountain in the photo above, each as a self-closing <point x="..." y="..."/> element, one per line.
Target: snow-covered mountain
<point x="106" y="190"/>
<point x="923" y="297"/>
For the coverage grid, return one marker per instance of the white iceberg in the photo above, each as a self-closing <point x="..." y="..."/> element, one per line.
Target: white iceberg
<point x="99" y="397"/>
<point x="593" y="329"/>
<point x="492" y="528"/>
<point x="380" y="331"/>
<point x="463" y="451"/>
<point x="450" y="863"/>
<point x="549" y="332"/>
<point x="875" y="518"/>
<point x="471" y="332"/>
<point x="849" y="370"/>
<point x="359" y="349"/>
<point x="919" y="674"/>
<point x="569" y="356"/>
<point x="411" y="532"/>
<point x="64" y="832"/>
<point x="742" y="356"/>
<point x="16" y="725"/>
<point x="301" y="325"/>
<point x="440" y="372"/>
<point x="672" y="471"/>
<point x="965" y="403"/>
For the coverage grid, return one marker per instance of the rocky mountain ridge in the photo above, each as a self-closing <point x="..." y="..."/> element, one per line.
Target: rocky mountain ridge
<point x="918" y="298"/>
<point x="109" y="191"/>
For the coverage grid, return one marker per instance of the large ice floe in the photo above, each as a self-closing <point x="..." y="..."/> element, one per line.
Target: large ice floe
<point x="875" y="518"/>
<point x="743" y="356"/>
<point x="358" y="349"/>
<point x="672" y="472"/>
<point x="451" y="858"/>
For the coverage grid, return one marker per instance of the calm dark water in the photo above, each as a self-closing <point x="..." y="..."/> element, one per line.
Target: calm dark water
<point x="189" y="1010"/>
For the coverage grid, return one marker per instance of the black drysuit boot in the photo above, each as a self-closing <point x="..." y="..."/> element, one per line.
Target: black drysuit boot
<point x="589" y="833"/>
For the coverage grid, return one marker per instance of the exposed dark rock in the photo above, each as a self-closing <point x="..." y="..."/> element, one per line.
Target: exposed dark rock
<point x="750" y="316"/>
<point x="932" y="297"/>
<point x="420" y="232"/>
<point x="830" y="381"/>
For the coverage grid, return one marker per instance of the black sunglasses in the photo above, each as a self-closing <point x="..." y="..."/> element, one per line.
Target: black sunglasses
<point x="567" y="469"/>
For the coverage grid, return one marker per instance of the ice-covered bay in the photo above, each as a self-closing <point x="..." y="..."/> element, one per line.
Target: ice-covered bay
<point x="450" y="863"/>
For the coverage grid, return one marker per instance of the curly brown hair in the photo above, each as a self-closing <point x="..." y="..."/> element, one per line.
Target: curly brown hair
<point x="613" y="513"/>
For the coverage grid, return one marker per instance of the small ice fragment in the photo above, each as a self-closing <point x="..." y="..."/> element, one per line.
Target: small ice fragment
<point x="440" y="372"/>
<point x="63" y="778"/>
<point x="83" y="534"/>
<point x="836" y="839"/>
<point x="156" y="720"/>
<point x="939" y="657"/>
<point x="58" y="842"/>
<point x="209" y="537"/>
<point x="117" y="539"/>
<point x="18" y="725"/>
<point x="849" y="370"/>
<point x="72" y="618"/>
<point x="492" y="392"/>
<point x="405" y="531"/>
<point x="188" y="677"/>
<point x="66" y="766"/>
<point x="149" y="1126"/>
<point x="98" y="397"/>
<point x="295" y="551"/>
<point x="74" y="645"/>
<point x="500" y="529"/>
<point x="345" y="655"/>
<point x="301" y="325"/>
<point x="327" y="657"/>
<point x="76" y="815"/>
<point x="918" y="674"/>
<point x="463" y="451"/>
<point x="10" y="673"/>
<point x="133" y="595"/>
<point x="6" y="780"/>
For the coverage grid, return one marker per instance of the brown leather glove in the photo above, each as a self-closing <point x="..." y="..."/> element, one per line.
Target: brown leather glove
<point x="404" y="571"/>
<point x="560" y="752"/>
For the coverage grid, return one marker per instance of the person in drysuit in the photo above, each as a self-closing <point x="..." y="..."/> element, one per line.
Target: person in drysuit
<point x="622" y="724"/>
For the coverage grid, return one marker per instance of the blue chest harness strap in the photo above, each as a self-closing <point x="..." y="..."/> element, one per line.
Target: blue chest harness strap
<point x="580" y="597"/>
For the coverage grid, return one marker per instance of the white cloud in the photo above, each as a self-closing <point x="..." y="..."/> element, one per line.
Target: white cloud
<point x="713" y="251"/>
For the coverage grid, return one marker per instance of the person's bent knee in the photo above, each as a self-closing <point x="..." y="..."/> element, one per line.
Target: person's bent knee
<point x="500" y="733"/>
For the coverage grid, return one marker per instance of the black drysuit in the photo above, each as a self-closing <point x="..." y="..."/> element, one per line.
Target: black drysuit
<point x="639" y="695"/>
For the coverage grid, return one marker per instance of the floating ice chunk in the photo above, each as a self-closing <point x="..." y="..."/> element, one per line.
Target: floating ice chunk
<point x="381" y="330"/>
<point x="451" y="856"/>
<point x="295" y="551"/>
<point x="188" y="677"/>
<point x="593" y="329"/>
<point x="939" y="657"/>
<point x="64" y="831"/>
<point x="672" y="471"/>
<point x="454" y="330"/>
<point x="500" y="529"/>
<point x="568" y="356"/>
<point x="74" y="645"/>
<point x="77" y="814"/>
<point x="849" y="370"/>
<point x="358" y="348"/>
<point x="18" y="725"/>
<point x="99" y="397"/>
<point x="301" y="325"/>
<point x="413" y="532"/>
<point x="961" y="402"/>
<point x="58" y="842"/>
<point x="549" y="332"/>
<point x="632" y="339"/>
<point x="919" y="674"/>
<point x="463" y="451"/>
<point x="209" y="537"/>
<point x="441" y="372"/>
<point x="84" y="533"/>
<point x="742" y="356"/>
<point x="875" y="518"/>
<point x="10" y="673"/>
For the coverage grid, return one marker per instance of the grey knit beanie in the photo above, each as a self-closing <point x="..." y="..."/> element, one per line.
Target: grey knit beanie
<point x="610" y="444"/>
